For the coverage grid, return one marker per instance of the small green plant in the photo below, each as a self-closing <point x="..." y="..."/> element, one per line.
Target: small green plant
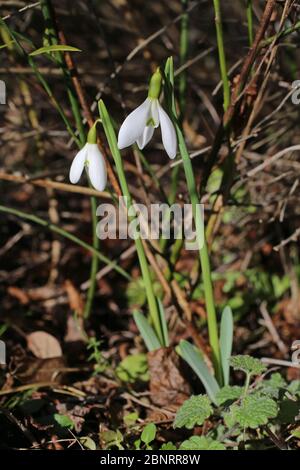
<point x="244" y="414"/>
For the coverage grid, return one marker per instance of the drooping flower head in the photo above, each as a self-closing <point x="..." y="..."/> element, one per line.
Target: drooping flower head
<point x="140" y="124"/>
<point x="91" y="158"/>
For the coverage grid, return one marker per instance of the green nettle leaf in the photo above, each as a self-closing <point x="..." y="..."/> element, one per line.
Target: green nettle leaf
<point x="133" y="368"/>
<point x="149" y="433"/>
<point x="64" y="421"/>
<point x="253" y="411"/>
<point x="294" y="387"/>
<point x="201" y="443"/>
<point x="249" y="365"/>
<point x="194" y="411"/>
<point x="227" y="395"/>
<point x="168" y="446"/>
<point x="273" y="386"/>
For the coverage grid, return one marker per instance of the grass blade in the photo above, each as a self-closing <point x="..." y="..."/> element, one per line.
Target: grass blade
<point x="147" y="332"/>
<point x="164" y="326"/>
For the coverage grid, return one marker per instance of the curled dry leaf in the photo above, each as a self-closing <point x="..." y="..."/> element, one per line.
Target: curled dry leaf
<point x="43" y="345"/>
<point x="168" y="386"/>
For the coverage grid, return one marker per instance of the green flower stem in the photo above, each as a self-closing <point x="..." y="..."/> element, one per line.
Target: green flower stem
<point x="199" y="225"/>
<point x="54" y="228"/>
<point x="52" y="37"/>
<point x="221" y="51"/>
<point x="42" y="80"/>
<point x="247" y="383"/>
<point x="112" y="141"/>
<point x="204" y="257"/>
<point x="250" y="21"/>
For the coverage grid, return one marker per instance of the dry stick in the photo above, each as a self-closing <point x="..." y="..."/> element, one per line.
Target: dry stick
<point x="87" y="112"/>
<point x="45" y="183"/>
<point x="20" y="425"/>
<point x="230" y="113"/>
<point x="270" y="325"/>
<point x="236" y="94"/>
<point x="258" y="100"/>
<point x="291" y="238"/>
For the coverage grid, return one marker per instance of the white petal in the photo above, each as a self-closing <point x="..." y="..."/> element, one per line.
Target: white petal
<point x="96" y="167"/>
<point x="143" y="140"/>
<point x="133" y="126"/>
<point x="168" y="133"/>
<point x="78" y="165"/>
<point x="154" y="112"/>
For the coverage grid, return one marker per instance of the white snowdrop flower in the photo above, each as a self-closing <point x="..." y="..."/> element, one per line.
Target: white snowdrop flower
<point x="140" y="124"/>
<point x="91" y="158"/>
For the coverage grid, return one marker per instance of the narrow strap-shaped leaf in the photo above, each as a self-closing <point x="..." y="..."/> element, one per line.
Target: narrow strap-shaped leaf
<point x="226" y="337"/>
<point x="146" y="331"/>
<point x="194" y="358"/>
<point x="164" y="326"/>
<point x="54" y="48"/>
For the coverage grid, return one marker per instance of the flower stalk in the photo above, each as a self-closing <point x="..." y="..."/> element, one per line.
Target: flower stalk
<point x="112" y="141"/>
<point x="199" y="224"/>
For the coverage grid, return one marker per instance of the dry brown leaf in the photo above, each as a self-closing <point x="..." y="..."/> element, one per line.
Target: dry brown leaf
<point x="43" y="345"/>
<point x="75" y="300"/>
<point x="168" y="387"/>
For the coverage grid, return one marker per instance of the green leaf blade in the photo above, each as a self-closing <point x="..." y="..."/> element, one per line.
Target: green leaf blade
<point x="226" y="339"/>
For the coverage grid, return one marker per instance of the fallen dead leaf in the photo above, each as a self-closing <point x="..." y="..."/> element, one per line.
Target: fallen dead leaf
<point x="168" y="387"/>
<point x="75" y="299"/>
<point x="43" y="345"/>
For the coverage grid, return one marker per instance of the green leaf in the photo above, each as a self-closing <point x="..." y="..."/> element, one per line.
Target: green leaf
<point x="296" y="432"/>
<point x="54" y="48"/>
<point x="88" y="443"/>
<point x="64" y="421"/>
<point x="131" y="418"/>
<point x="133" y="368"/>
<point x="272" y="386"/>
<point x="227" y="395"/>
<point x="149" y="433"/>
<point x="254" y="410"/>
<point x="194" y="411"/>
<point x="111" y="439"/>
<point x="147" y="332"/>
<point x="201" y="443"/>
<point x="194" y="358"/>
<point x="226" y="338"/>
<point x="288" y="411"/>
<point x="248" y="364"/>
<point x="168" y="446"/>
<point x="164" y="326"/>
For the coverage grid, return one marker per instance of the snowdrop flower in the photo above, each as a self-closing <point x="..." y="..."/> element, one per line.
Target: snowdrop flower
<point x="92" y="159"/>
<point x="140" y="124"/>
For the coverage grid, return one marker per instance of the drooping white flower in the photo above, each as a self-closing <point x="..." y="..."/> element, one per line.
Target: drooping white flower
<point x="140" y="124"/>
<point x="91" y="158"/>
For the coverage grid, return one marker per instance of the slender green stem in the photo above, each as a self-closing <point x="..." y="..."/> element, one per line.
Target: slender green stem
<point x="204" y="257"/>
<point x="95" y="262"/>
<point x="199" y="225"/>
<point x="42" y="80"/>
<point x="247" y="383"/>
<point x="250" y="21"/>
<point x="221" y="51"/>
<point x="54" y="228"/>
<point x="52" y="38"/>
<point x="112" y="141"/>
